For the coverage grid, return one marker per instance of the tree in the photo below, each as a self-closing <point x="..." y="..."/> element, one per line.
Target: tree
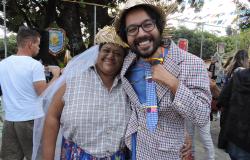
<point x="67" y="14"/>
<point x="196" y="4"/>
<point x="194" y="41"/>
<point x="243" y="39"/>
<point x="243" y="12"/>
<point x="230" y="45"/>
<point x="40" y="14"/>
<point x="11" y="45"/>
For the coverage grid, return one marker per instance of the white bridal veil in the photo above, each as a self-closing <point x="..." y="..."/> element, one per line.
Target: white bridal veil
<point x="81" y="62"/>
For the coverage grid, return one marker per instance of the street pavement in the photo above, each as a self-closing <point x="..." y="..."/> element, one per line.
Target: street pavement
<point x="199" y="150"/>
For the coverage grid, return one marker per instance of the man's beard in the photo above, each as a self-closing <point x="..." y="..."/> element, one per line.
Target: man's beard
<point x="156" y="44"/>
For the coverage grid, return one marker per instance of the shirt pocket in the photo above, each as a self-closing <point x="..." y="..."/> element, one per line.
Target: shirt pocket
<point x="165" y="104"/>
<point x="169" y="144"/>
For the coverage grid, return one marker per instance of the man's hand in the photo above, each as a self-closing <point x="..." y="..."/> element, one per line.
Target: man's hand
<point x="186" y="148"/>
<point x="161" y="75"/>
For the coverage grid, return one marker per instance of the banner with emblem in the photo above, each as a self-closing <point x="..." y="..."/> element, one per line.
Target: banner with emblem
<point x="56" y="40"/>
<point x="183" y="44"/>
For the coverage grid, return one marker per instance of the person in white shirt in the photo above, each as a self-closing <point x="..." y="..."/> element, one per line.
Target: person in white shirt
<point x="22" y="80"/>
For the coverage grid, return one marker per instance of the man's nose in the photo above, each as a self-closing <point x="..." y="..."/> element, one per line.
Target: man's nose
<point x="141" y="31"/>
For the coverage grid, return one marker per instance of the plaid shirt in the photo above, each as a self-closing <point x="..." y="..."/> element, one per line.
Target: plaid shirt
<point x="191" y="101"/>
<point x="93" y="117"/>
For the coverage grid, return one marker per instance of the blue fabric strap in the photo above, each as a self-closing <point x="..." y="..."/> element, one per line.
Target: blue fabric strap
<point x="133" y="146"/>
<point x="151" y="94"/>
<point x="151" y="99"/>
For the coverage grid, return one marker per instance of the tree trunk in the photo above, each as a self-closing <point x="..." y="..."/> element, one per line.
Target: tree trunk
<point x="70" y="21"/>
<point x="50" y="13"/>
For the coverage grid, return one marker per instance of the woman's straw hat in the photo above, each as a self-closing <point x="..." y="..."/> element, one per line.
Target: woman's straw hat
<point x="108" y="35"/>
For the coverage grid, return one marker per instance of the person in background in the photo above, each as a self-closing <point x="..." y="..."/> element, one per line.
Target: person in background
<point x="239" y="61"/>
<point x="216" y="72"/>
<point x="206" y="140"/>
<point x="22" y="80"/>
<point x="228" y="61"/>
<point x="234" y="99"/>
<point x="165" y="86"/>
<point x="204" y="132"/>
<point x="213" y="67"/>
<point x="215" y="90"/>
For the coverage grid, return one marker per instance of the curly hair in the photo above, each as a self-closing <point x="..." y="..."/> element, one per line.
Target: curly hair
<point x="151" y="13"/>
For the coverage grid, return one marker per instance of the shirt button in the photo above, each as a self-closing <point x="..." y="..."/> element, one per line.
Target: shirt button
<point x="178" y="104"/>
<point x="139" y="128"/>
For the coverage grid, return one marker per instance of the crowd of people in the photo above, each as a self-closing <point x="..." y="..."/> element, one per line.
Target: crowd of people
<point x="130" y="96"/>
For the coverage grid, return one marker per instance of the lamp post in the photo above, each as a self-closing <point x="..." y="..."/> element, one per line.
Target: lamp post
<point x="5" y="37"/>
<point x="202" y="38"/>
<point x="94" y="22"/>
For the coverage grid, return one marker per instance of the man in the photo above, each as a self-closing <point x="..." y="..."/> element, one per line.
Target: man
<point x="22" y="80"/>
<point x="161" y="95"/>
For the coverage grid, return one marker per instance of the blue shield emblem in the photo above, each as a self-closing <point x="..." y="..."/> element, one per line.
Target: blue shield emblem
<point x="56" y="40"/>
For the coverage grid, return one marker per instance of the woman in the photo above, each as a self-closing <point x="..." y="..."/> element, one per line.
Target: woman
<point x="240" y="61"/>
<point x="91" y="107"/>
<point x="235" y="126"/>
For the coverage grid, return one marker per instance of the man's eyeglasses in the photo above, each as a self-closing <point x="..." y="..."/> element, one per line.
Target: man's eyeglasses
<point x="147" y="26"/>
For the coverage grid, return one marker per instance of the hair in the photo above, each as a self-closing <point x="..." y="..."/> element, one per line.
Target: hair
<point x="229" y="60"/>
<point x="150" y="12"/>
<point x="101" y="45"/>
<point x="240" y="59"/>
<point x="24" y="34"/>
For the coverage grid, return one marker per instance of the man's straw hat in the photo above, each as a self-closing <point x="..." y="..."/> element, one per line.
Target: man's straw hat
<point x="161" y="9"/>
<point x="109" y="35"/>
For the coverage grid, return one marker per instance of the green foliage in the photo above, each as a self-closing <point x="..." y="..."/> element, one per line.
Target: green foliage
<point x="11" y="44"/>
<point x="194" y="41"/>
<point x="236" y="42"/>
<point x="232" y="43"/>
<point x="243" y="12"/>
<point x="244" y="40"/>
